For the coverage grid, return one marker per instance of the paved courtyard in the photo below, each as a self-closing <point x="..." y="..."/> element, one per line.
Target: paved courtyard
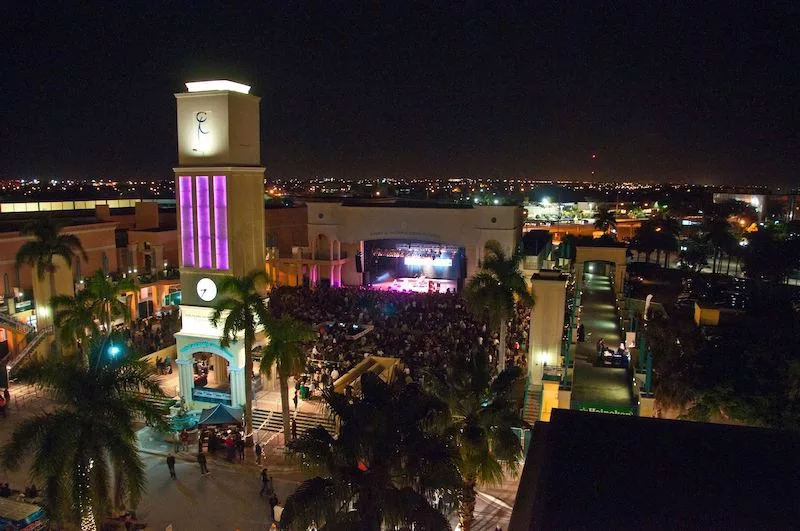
<point x="228" y="499"/>
<point x="599" y="385"/>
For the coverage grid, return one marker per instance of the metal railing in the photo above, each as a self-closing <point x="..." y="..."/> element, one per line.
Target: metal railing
<point x="17" y="325"/>
<point x="29" y="348"/>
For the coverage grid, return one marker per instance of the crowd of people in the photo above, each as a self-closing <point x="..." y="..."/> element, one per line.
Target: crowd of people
<point x="152" y="333"/>
<point x="421" y="329"/>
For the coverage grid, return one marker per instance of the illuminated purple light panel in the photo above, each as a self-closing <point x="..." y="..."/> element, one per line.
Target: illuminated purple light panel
<point x="203" y="223"/>
<point x="221" y="221"/>
<point x="187" y="220"/>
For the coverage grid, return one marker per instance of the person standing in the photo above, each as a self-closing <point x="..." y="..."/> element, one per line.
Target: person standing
<point x="171" y="466"/>
<point x="295" y="399"/>
<point x="240" y="448"/>
<point x="273" y="502"/>
<point x="257" y="450"/>
<point x="294" y="429"/>
<point x="7" y="396"/>
<point x="184" y="441"/>
<point x="264" y="482"/>
<point x="201" y="458"/>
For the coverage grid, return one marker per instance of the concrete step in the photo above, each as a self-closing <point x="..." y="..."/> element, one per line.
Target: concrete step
<point x="533" y="405"/>
<point x="274" y="420"/>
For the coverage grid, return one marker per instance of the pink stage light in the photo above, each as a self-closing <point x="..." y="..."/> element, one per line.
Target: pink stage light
<point x="427" y="261"/>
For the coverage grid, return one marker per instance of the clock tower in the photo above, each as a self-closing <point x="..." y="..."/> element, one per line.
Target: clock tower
<point x="219" y="189"/>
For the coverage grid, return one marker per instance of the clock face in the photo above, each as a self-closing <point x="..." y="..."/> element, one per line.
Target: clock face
<point x="206" y="289"/>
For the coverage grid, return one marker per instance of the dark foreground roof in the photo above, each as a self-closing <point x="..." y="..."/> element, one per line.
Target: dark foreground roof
<point x="598" y="471"/>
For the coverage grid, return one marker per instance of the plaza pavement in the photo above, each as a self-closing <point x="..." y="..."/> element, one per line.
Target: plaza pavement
<point x="591" y="384"/>
<point x="227" y="499"/>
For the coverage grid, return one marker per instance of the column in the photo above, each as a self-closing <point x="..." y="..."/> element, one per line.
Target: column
<point x="158" y="257"/>
<point x="579" y="275"/>
<point x="238" y="398"/>
<point x="185" y="379"/>
<point x="547" y="322"/>
<point x="620" y="276"/>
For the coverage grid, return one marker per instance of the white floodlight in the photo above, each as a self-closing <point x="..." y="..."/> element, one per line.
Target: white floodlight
<point x="217" y="84"/>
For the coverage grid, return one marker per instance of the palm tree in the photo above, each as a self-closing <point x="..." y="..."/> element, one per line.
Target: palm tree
<point x="493" y="291"/>
<point x="383" y="468"/>
<point x="645" y="239"/>
<point x="605" y="220"/>
<point x="668" y="229"/>
<point x="288" y="339"/>
<point x="105" y="296"/>
<point x="243" y="310"/>
<point x="89" y="438"/>
<point x="478" y="424"/>
<point x="48" y="244"/>
<point x="718" y="233"/>
<point x="74" y="318"/>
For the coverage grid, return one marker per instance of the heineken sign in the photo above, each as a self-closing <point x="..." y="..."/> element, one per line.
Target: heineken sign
<point x="604" y="408"/>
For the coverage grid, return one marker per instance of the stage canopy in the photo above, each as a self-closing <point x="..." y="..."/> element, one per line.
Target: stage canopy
<point x="220" y="414"/>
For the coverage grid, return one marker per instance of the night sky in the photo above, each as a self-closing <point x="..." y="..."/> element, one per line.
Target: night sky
<point x="707" y="93"/>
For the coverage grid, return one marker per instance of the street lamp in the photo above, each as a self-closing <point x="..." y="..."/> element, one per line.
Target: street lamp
<point x="113" y="350"/>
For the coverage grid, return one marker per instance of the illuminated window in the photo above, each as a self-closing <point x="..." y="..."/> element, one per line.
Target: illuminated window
<point x="187" y="220"/>
<point x="203" y="222"/>
<point x="221" y="221"/>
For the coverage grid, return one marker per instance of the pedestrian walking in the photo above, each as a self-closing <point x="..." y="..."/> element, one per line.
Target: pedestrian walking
<point x="295" y="399"/>
<point x="7" y="396"/>
<point x="201" y="458"/>
<point x="294" y="429"/>
<point x="240" y="449"/>
<point x="273" y="502"/>
<point x="264" y="482"/>
<point x="3" y="405"/>
<point x="257" y="450"/>
<point x="184" y="440"/>
<point x="171" y="466"/>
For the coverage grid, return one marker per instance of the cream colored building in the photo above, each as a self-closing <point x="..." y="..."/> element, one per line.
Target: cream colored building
<point x="337" y="232"/>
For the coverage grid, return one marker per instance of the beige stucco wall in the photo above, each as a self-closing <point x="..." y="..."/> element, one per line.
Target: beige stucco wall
<point x="547" y="322"/>
<point x="471" y="228"/>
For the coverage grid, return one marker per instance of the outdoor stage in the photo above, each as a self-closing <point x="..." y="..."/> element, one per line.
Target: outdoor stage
<point x="416" y="285"/>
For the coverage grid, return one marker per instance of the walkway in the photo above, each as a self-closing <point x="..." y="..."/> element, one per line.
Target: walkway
<point x="603" y="386"/>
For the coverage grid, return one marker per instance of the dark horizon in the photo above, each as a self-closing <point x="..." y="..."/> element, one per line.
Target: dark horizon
<point x="684" y="95"/>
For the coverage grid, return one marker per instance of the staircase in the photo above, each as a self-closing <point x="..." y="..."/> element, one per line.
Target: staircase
<point x="161" y="402"/>
<point x="533" y="404"/>
<point x="18" y="326"/>
<point x="29" y="348"/>
<point x="273" y="421"/>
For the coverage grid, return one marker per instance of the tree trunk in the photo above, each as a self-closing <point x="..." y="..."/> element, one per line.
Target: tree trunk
<point x="284" y="381"/>
<point x="248" y="391"/>
<point x="501" y="352"/>
<point x="666" y="259"/>
<point x="658" y="256"/>
<point x="466" y="505"/>
<point x="52" y="314"/>
<point x="714" y="263"/>
<point x="728" y="265"/>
